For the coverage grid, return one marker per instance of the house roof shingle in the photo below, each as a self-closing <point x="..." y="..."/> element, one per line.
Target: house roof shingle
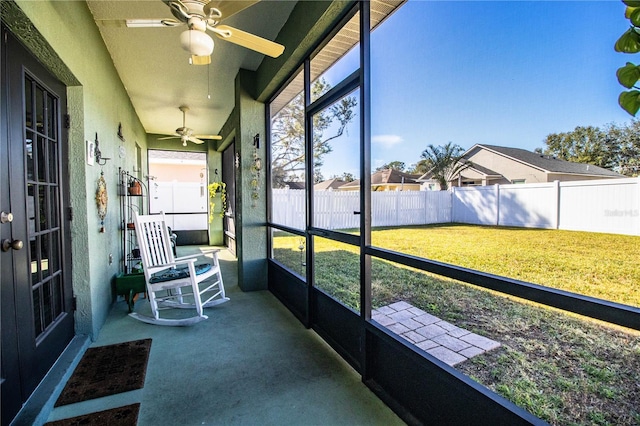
<point x="386" y="177"/>
<point x="295" y="185"/>
<point x="548" y="163"/>
<point x="328" y="184"/>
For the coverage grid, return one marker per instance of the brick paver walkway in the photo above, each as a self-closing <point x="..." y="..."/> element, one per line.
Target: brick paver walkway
<point x="443" y="340"/>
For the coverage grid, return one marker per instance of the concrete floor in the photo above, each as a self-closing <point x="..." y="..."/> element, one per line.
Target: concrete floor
<point x="252" y="362"/>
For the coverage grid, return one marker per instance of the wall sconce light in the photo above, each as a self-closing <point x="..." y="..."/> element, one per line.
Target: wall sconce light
<point x="100" y="160"/>
<point x="120" y="135"/>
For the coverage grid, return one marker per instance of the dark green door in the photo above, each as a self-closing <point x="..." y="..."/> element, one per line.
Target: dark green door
<point x="35" y="294"/>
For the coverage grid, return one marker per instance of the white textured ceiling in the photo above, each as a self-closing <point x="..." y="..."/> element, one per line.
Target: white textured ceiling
<point x="156" y="72"/>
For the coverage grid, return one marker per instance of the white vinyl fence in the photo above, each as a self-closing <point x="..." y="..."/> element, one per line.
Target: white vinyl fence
<point x="610" y="206"/>
<point x="184" y="203"/>
<point x="338" y="209"/>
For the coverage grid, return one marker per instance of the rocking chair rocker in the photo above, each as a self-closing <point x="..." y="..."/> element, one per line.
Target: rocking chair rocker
<point x="175" y="282"/>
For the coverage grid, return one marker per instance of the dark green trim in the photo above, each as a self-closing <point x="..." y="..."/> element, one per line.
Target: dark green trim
<point x="33" y="40"/>
<point x="309" y="22"/>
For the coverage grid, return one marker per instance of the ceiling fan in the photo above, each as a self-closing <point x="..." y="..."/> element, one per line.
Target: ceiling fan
<point x="186" y="134"/>
<point x="203" y="15"/>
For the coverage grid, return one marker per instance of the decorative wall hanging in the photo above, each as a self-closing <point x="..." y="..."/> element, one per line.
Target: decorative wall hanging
<point x="215" y="189"/>
<point x="256" y="167"/>
<point x="101" y="200"/>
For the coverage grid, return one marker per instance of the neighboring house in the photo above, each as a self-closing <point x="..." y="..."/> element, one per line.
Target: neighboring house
<point x="329" y="184"/>
<point x="491" y="164"/>
<point x="387" y="180"/>
<point x="295" y="185"/>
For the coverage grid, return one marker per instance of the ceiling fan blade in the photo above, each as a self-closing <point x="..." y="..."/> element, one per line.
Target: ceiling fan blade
<point x="139" y="23"/>
<point x="169" y="137"/>
<point x="114" y="23"/>
<point x="210" y="137"/>
<point x="228" y="7"/>
<point x="195" y="140"/>
<point x="250" y="41"/>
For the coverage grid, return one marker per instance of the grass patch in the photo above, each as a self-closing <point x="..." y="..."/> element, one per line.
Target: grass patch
<point x="561" y="368"/>
<point x="593" y="264"/>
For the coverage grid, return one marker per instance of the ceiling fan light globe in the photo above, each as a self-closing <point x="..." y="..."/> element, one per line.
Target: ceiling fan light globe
<point x="196" y="42"/>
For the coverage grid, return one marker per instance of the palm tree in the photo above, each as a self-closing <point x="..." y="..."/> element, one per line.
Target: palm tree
<point x="444" y="163"/>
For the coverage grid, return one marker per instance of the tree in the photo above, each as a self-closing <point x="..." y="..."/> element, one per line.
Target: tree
<point x="626" y="139"/>
<point x="629" y="75"/>
<point x="418" y="168"/>
<point x="345" y="177"/>
<point x="394" y="165"/>
<point x="444" y="163"/>
<point x="614" y="147"/>
<point x="589" y="145"/>
<point x="287" y="134"/>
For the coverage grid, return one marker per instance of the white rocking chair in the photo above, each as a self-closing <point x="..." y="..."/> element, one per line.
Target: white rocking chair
<point x="175" y="282"/>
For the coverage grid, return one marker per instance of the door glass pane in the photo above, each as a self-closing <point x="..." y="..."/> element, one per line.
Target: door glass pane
<point x="28" y="103"/>
<point x="54" y="203"/>
<point x="39" y="110"/>
<point x="56" y="295"/>
<point x="44" y="256"/>
<point x="31" y="208"/>
<point x="52" y="114"/>
<point x="336" y="158"/>
<point x="37" y="310"/>
<point x="41" y="155"/>
<point x="43" y="208"/>
<point x="53" y="162"/>
<point x="33" y="255"/>
<point x="47" y="310"/>
<point x="28" y="148"/>
<point x="54" y="260"/>
<point x="337" y="271"/>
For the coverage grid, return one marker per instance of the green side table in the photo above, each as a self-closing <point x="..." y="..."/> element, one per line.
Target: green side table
<point x="129" y="286"/>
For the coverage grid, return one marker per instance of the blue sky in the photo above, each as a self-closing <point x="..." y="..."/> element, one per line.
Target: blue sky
<point x="497" y="72"/>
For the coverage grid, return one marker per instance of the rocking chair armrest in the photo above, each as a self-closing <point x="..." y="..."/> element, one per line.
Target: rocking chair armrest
<point x="177" y="262"/>
<point x="193" y="256"/>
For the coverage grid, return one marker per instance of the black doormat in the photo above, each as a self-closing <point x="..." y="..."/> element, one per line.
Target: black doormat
<point x="121" y="416"/>
<point x="107" y="370"/>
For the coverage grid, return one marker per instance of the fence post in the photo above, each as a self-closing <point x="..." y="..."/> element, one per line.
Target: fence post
<point x="497" y="204"/>
<point x="638" y="210"/>
<point x="397" y="218"/>
<point x="557" y="194"/>
<point x="453" y="203"/>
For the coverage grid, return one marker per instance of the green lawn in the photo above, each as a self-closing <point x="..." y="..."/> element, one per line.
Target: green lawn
<point x="598" y="265"/>
<point x="564" y="369"/>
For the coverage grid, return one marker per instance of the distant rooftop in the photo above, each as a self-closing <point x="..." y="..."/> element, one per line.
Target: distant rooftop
<point x="385" y="177"/>
<point x="548" y="163"/>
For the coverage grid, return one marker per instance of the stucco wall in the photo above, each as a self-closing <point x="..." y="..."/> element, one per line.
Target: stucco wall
<point x="510" y="169"/>
<point x="97" y="103"/>
<point x="570" y="178"/>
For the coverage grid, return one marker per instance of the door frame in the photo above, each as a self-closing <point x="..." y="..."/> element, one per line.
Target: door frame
<point x="26" y="356"/>
<point x="229" y="178"/>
